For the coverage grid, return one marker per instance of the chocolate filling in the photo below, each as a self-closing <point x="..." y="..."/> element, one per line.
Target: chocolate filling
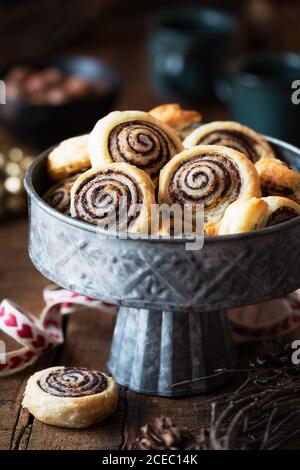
<point x="282" y="214"/>
<point x="147" y="157"/>
<point x="233" y="139"/>
<point x="230" y="173"/>
<point x="99" y="195"/>
<point x="269" y="189"/>
<point x="73" y="382"/>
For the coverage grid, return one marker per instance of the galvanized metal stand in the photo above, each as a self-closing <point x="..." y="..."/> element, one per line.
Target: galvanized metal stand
<point x="171" y="353"/>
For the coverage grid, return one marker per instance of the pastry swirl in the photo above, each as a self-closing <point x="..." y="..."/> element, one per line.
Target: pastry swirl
<point x="73" y="382"/>
<point x="70" y="397"/>
<point x="116" y="193"/>
<point x="233" y="135"/>
<point x="252" y="214"/>
<point x="276" y="179"/>
<point x="59" y="195"/>
<point x="68" y="158"/>
<point x="280" y="209"/>
<point x="133" y="137"/>
<point x="211" y="175"/>
<point x="183" y="121"/>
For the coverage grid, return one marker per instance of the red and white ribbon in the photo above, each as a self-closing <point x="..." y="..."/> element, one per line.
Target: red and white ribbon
<point x="39" y="335"/>
<point x="267" y="320"/>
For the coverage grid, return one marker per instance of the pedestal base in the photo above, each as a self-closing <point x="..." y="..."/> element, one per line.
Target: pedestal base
<point x="154" y="352"/>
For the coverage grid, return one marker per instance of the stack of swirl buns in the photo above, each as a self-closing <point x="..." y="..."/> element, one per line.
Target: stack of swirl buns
<point x="133" y="159"/>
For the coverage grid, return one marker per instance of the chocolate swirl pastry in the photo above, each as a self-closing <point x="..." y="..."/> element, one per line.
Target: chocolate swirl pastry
<point x="73" y="382"/>
<point x="252" y="214"/>
<point x="116" y="195"/>
<point x="233" y="135"/>
<point x="59" y="195"/>
<point x="70" y="397"/>
<point x="280" y="209"/>
<point x="276" y="179"/>
<point x="68" y="158"/>
<point x="208" y="175"/>
<point x="133" y="137"/>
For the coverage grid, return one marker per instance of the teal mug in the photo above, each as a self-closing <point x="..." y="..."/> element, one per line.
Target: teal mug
<point x="262" y="93"/>
<point x="186" y="48"/>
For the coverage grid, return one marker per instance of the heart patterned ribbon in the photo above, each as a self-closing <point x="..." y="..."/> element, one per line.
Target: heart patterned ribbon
<point x="40" y="335"/>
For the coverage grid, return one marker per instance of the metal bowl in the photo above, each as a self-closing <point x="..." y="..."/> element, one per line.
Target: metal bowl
<point x="162" y="276"/>
<point x="230" y="270"/>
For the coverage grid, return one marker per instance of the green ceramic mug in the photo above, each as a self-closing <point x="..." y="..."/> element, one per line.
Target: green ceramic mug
<point x="186" y="48"/>
<point x="262" y="93"/>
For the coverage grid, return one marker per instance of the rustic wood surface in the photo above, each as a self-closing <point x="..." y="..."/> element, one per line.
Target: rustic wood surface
<point x="89" y="333"/>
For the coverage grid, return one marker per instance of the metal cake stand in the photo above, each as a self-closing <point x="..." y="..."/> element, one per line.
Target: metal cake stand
<point x="171" y="326"/>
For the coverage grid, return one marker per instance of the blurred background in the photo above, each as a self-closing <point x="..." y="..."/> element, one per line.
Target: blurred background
<point x="67" y="63"/>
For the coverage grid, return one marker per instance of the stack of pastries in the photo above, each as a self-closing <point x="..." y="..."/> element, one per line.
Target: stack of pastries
<point x="133" y="159"/>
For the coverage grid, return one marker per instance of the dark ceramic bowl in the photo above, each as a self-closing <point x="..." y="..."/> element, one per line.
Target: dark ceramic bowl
<point x="171" y="325"/>
<point x="40" y="126"/>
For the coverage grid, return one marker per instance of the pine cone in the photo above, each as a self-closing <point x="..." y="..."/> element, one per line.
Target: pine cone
<point x="164" y="435"/>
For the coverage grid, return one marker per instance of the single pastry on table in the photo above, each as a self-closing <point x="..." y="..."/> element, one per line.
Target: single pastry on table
<point x="210" y="175"/>
<point x="68" y="158"/>
<point x="254" y="213"/>
<point x="70" y="397"/>
<point x="114" y="195"/>
<point x="133" y="137"/>
<point x="183" y="121"/>
<point x="231" y="134"/>
<point x="277" y="179"/>
<point x="59" y="195"/>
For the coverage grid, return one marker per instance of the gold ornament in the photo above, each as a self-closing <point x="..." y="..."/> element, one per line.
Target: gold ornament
<point x="13" y="163"/>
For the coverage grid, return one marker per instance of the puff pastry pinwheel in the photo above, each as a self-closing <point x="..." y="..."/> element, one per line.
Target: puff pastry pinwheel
<point x="277" y="179"/>
<point x="70" y="397"/>
<point x="184" y="121"/>
<point x="252" y="214"/>
<point x="233" y="135"/>
<point x="280" y="209"/>
<point x="68" y="158"/>
<point x="133" y="137"/>
<point x="59" y="195"/>
<point x="115" y="194"/>
<point x="211" y="175"/>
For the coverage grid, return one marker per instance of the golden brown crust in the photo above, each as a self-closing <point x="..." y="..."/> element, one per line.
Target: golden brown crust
<point x="243" y="216"/>
<point x="68" y="158"/>
<point x="276" y="179"/>
<point x="115" y="184"/>
<point x="136" y="138"/>
<point x="233" y="135"/>
<point x="280" y="209"/>
<point x="174" y="116"/>
<point x="69" y="412"/>
<point x="211" y="175"/>
<point x="252" y="214"/>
